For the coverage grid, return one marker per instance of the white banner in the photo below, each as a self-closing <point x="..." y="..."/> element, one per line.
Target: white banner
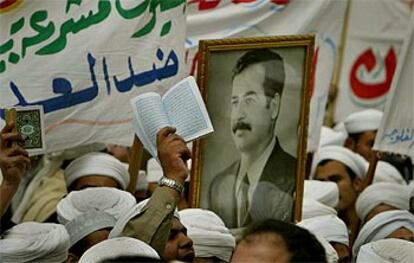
<point x="396" y="133"/>
<point x="376" y="30"/>
<point x="83" y="61"/>
<point x="217" y="19"/>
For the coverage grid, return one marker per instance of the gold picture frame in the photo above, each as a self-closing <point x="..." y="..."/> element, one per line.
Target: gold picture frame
<point x="218" y="163"/>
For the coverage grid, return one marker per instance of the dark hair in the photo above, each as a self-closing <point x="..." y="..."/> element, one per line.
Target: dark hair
<point x="274" y="79"/>
<point x="349" y="171"/>
<point x="302" y="245"/>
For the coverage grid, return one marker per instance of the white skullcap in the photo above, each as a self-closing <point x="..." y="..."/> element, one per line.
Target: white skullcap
<point x="87" y="223"/>
<point x="211" y="238"/>
<point x="128" y="216"/>
<point x="117" y="247"/>
<point x="312" y="208"/>
<point x="325" y="192"/>
<point x="105" y="199"/>
<point x="386" y="172"/>
<point x="382" y="225"/>
<point x="142" y="181"/>
<point x="352" y="160"/>
<point x="331" y="137"/>
<point x="34" y="242"/>
<point x="329" y="227"/>
<point x="395" y="195"/>
<point x="155" y="173"/>
<point x="386" y="251"/>
<point x="361" y="121"/>
<point x="97" y="163"/>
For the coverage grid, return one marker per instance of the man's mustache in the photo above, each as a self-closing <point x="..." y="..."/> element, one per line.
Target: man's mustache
<point x="241" y="126"/>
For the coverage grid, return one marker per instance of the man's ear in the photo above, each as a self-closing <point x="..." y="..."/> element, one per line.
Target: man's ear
<point x="72" y="258"/>
<point x="357" y="184"/>
<point x="350" y="143"/>
<point x="275" y="106"/>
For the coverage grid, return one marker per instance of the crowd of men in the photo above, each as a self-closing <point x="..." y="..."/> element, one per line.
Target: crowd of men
<point x="74" y="207"/>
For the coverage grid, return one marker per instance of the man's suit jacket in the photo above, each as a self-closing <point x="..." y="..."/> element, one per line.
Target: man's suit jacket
<point x="272" y="198"/>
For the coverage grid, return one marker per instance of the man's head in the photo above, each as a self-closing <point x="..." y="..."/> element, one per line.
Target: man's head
<point x="179" y="246"/>
<point x="96" y="170"/>
<point x="257" y="84"/>
<point x="362" y="128"/>
<point x="273" y="240"/>
<point x="349" y="185"/>
<point x="343" y="167"/>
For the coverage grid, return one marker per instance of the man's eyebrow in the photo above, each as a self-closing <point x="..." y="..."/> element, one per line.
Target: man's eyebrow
<point x="250" y="93"/>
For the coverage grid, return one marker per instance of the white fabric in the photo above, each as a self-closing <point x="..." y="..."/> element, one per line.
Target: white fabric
<point x="387" y="251"/>
<point x="325" y="192"/>
<point x="392" y="194"/>
<point x="131" y="213"/>
<point x="343" y="155"/>
<point x="116" y="247"/>
<point x="386" y="172"/>
<point x="397" y="128"/>
<point x="97" y="163"/>
<point x="312" y="208"/>
<point x="211" y="238"/>
<point x="142" y="182"/>
<point x="34" y="242"/>
<point x="331" y="137"/>
<point x="105" y="199"/>
<point x="411" y="187"/>
<point x="382" y="225"/>
<point x="330" y="227"/>
<point x="87" y="223"/>
<point x="361" y="121"/>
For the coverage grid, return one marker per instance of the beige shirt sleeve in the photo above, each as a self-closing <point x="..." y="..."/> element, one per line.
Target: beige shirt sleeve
<point x="153" y="224"/>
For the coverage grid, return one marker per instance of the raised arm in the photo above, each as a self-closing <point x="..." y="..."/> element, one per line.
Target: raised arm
<point x="153" y="225"/>
<point x="14" y="162"/>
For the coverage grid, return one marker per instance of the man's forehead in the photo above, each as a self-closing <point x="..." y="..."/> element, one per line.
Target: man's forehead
<point x="331" y="166"/>
<point x="250" y="79"/>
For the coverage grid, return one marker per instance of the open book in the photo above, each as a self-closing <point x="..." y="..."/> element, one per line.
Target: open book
<point x="181" y="107"/>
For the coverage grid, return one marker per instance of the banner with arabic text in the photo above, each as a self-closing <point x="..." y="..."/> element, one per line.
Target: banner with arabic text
<point x="376" y="30"/>
<point x="396" y="133"/>
<point x="84" y="60"/>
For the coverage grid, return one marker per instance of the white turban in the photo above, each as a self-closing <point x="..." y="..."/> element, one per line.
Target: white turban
<point x="142" y="181"/>
<point x="329" y="227"/>
<point x="395" y="195"/>
<point x="386" y="251"/>
<point x="105" y="199"/>
<point x="352" y="160"/>
<point x="128" y="216"/>
<point x="312" y="208"/>
<point x="97" y="163"/>
<point x="35" y="242"/>
<point x="411" y="187"/>
<point x="382" y="225"/>
<point x="211" y="238"/>
<point x="386" y="172"/>
<point x="87" y="223"/>
<point x="325" y="192"/>
<point x="366" y="120"/>
<point x="117" y="247"/>
<point x="331" y="137"/>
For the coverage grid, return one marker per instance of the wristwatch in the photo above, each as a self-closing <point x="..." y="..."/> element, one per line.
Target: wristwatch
<point x="165" y="181"/>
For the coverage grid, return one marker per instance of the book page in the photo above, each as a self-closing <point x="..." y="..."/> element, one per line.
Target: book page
<point x="150" y="117"/>
<point x="186" y="110"/>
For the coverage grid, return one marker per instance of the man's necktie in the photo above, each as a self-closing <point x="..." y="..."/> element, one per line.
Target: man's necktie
<point x="243" y="199"/>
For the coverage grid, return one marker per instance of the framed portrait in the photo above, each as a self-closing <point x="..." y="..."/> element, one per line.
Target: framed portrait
<point x="257" y="94"/>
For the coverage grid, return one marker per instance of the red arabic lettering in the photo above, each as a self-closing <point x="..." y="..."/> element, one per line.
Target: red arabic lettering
<point x="367" y="59"/>
<point x="205" y="4"/>
<point x="314" y="65"/>
<point x="278" y="2"/>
